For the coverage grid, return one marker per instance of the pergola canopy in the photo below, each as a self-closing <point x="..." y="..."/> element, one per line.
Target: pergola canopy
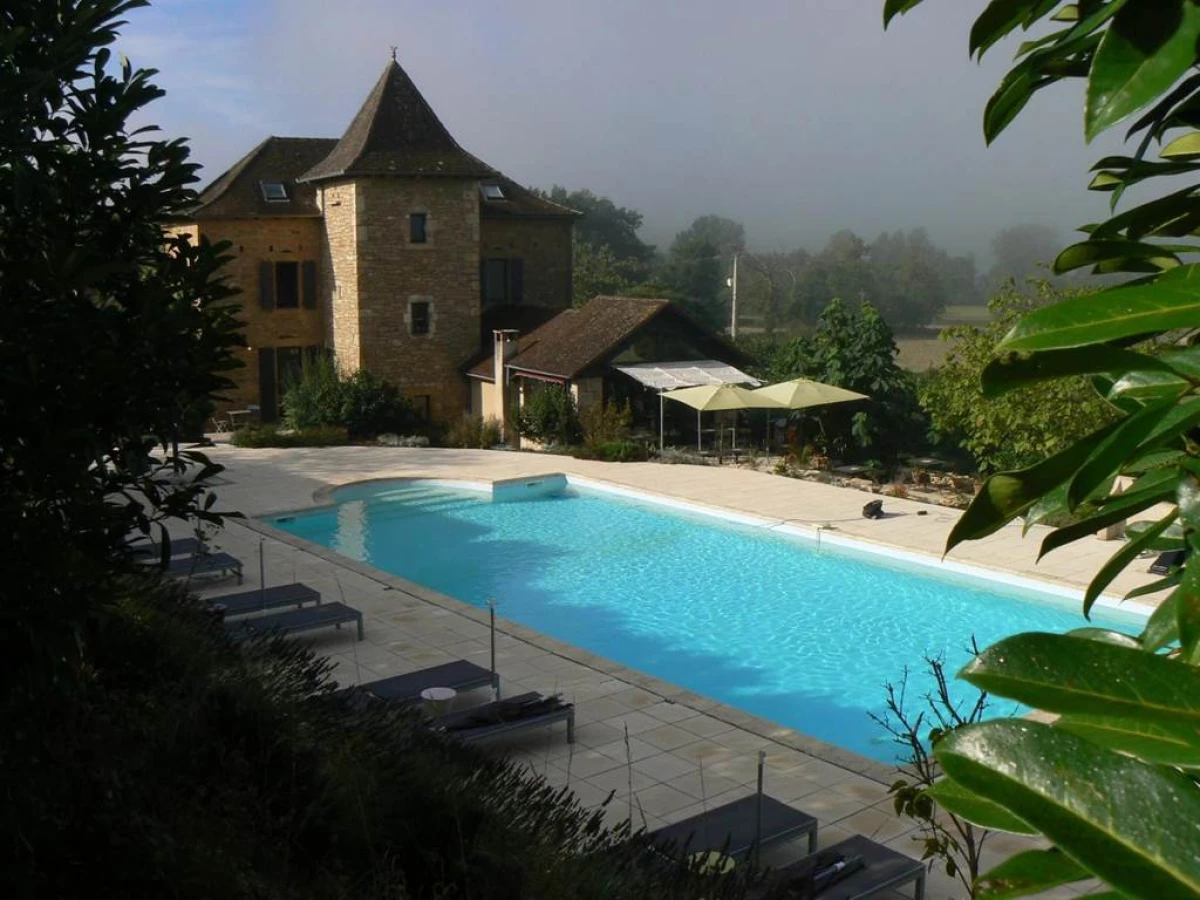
<point x="667" y="376"/>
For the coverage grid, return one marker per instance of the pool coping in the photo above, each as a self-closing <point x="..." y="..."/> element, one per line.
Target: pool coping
<point x="880" y="772"/>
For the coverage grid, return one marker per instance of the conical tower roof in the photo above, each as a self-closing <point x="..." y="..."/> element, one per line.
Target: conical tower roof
<point x="396" y="132"/>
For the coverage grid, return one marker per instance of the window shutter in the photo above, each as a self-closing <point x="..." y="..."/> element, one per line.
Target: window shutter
<point x="266" y="285"/>
<point x="516" y="280"/>
<point x="266" y="384"/>
<point x="308" y="283"/>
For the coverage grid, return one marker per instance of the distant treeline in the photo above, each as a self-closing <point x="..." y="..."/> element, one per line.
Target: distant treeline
<point x="903" y="274"/>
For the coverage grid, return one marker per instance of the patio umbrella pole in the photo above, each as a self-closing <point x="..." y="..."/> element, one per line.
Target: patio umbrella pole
<point x="262" y="577"/>
<point x="662" y="426"/>
<point x="492" y="616"/>
<point x="762" y="759"/>
<point x="699" y="445"/>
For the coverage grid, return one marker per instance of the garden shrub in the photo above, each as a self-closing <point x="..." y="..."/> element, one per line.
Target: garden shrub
<point x="363" y="403"/>
<point x="491" y="433"/>
<point x="473" y="433"/>
<point x="616" y="451"/>
<point x="605" y="423"/>
<point x="549" y="417"/>
<point x="270" y="436"/>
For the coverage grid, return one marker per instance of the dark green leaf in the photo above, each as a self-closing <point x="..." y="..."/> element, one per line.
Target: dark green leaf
<point x="1088" y="253"/>
<point x="1156" y="488"/>
<point x="1168" y="745"/>
<point x="1013" y="370"/>
<point x="1147" y="48"/>
<point x="1185" y="146"/>
<point x="1069" y="13"/>
<point x="1007" y="495"/>
<point x="956" y="799"/>
<point x="1173" y="214"/>
<point x="1170" y="301"/>
<point x="1137" y="544"/>
<point x="999" y="19"/>
<point x="1162" y="628"/>
<point x="1112" y="453"/>
<point x="1105" y="636"/>
<point x="1067" y="675"/>
<point x="1031" y="872"/>
<point x="1148" y="387"/>
<point x="1136" y="826"/>
<point x="1010" y="98"/>
<point x="893" y="8"/>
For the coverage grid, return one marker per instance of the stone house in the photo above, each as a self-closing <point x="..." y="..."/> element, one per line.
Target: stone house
<point x="401" y="253"/>
<point x="392" y="246"/>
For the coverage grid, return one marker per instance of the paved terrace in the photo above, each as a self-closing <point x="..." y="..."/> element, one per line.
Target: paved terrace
<point x="685" y="753"/>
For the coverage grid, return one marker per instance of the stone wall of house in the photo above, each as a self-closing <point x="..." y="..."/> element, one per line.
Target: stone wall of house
<point x="340" y="297"/>
<point x="255" y="241"/>
<point x="394" y="273"/>
<point x="587" y="392"/>
<point x="545" y="247"/>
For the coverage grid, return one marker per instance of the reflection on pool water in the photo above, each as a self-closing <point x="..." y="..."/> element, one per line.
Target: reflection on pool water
<point x="765" y="622"/>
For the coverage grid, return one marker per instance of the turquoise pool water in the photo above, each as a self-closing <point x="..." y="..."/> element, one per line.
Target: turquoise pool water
<point x="758" y="620"/>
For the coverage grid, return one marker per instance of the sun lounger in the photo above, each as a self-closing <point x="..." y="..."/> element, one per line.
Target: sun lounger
<point x="1172" y="559"/>
<point x="151" y="551"/>
<point x="732" y="827"/>
<point x="276" y="597"/>
<point x="206" y="564"/>
<point x="325" y="615"/>
<point x="503" y="717"/>
<point x="870" y="869"/>
<point x="460" y="675"/>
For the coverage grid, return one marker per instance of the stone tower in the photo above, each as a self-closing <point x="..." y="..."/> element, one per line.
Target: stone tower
<point x="401" y="206"/>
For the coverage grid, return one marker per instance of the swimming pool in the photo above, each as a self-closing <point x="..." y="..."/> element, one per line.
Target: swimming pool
<point x="766" y="622"/>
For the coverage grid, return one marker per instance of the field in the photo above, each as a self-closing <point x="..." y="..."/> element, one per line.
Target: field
<point x="921" y="351"/>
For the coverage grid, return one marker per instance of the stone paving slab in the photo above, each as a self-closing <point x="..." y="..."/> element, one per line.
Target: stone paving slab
<point x="680" y="752"/>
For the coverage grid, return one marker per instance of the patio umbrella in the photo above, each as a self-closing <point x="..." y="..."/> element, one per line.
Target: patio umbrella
<point x="718" y="397"/>
<point x="802" y="393"/>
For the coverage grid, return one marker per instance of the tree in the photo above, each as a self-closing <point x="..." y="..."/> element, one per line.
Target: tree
<point x="1110" y="782"/>
<point x="116" y="337"/>
<point x="597" y="271"/>
<point x="855" y="350"/>
<point x="694" y="273"/>
<point x="1021" y="252"/>
<point x="1021" y="426"/>
<point x="604" y="224"/>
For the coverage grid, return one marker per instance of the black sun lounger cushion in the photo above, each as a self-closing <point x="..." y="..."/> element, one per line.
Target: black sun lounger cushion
<point x="280" y="595"/>
<point x="870" y="870"/>
<point x="460" y="675"/>
<point x="208" y="564"/>
<point x="732" y="827"/>
<point x="506" y="716"/>
<point x="1172" y="559"/>
<point x="310" y="617"/>
<point x="179" y="547"/>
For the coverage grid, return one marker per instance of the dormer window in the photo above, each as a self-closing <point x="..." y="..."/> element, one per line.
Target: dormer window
<point x="493" y="192"/>
<point x="274" y="191"/>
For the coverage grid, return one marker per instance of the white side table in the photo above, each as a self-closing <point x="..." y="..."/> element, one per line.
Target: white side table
<point x="438" y="698"/>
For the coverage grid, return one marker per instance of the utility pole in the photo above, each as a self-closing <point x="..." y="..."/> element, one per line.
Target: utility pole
<point x="733" y="317"/>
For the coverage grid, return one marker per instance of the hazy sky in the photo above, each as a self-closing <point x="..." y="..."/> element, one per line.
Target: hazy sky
<point x="798" y="117"/>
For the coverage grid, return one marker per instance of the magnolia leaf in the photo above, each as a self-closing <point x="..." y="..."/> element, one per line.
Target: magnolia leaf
<point x="1106" y="636"/>
<point x="1147" y="48"/>
<point x="1013" y="370"/>
<point x="957" y="800"/>
<point x="1007" y="495"/>
<point x="1172" y="300"/>
<point x="1186" y="146"/>
<point x="1063" y="674"/>
<point x="1135" y="825"/>
<point x="1162" y="628"/>
<point x="1134" y="546"/>
<point x="1088" y="253"/>
<point x="1168" y="745"/>
<point x="893" y="8"/>
<point x="1030" y="872"/>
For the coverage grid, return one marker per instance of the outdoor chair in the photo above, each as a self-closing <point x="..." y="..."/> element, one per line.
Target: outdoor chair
<point x="503" y="717"/>
<point x="152" y="552"/>
<point x="1172" y="559"/>
<point x="460" y="675"/>
<point x="309" y="618"/>
<point x="852" y="869"/>
<point x="733" y="828"/>
<point x="281" y="595"/>
<point x="205" y="564"/>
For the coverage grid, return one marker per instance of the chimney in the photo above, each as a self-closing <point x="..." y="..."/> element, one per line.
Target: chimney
<point x="504" y="343"/>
